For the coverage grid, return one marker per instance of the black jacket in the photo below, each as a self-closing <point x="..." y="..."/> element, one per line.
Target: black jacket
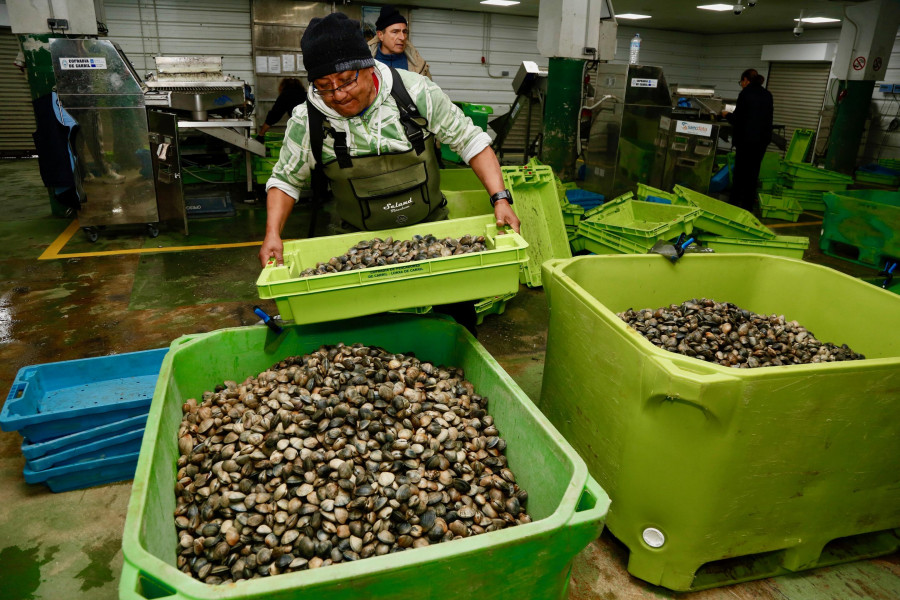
<point x="752" y="117"/>
<point x="285" y="103"/>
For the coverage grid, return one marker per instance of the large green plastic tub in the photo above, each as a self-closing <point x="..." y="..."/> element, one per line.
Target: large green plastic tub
<point x="722" y="218"/>
<point x="771" y="464"/>
<point x="868" y="220"/>
<point x="526" y="562"/>
<point x="391" y="287"/>
<point x="789" y="246"/>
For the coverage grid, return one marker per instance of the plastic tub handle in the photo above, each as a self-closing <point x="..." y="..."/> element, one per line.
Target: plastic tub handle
<point x="593" y="503"/>
<point x="705" y="391"/>
<point x="17" y="391"/>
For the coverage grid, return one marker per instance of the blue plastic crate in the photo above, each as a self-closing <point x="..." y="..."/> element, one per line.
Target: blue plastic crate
<point x="56" y="399"/>
<point x="585" y="198"/>
<point x="87" y="470"/>
<point x="35" y="450"/>
<point x="96" y="472"/>
<point x="97" y="448"/>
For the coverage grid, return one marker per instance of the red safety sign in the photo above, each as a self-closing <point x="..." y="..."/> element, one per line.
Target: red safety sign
<point x="876" y="64"/>
<point x="859" y="63"/>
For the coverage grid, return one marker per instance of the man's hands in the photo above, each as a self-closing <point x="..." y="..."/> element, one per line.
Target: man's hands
<point x="272" y="246"/>
<point x="504" y="214"/>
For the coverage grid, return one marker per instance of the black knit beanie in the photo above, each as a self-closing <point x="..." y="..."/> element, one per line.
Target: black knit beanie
<point x="387" y="17"/>
<point x="333" y="44"/>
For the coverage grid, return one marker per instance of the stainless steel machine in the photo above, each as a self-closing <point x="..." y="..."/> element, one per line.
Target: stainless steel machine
<point x="104" y="95"/>
<point x="685" y="153"/>
<point x="127" y="142"/>
<point x="628" y="102"/>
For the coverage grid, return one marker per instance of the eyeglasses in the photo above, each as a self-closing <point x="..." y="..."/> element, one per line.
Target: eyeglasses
<point x="344" y="87"/>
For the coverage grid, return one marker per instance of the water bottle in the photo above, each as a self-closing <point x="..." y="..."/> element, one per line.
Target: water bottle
<point x="634" y="55"/>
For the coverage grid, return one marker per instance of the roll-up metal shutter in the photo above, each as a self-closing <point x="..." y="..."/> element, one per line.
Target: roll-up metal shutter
<point x="16" y="112"/>
<point x="798" y="91"/>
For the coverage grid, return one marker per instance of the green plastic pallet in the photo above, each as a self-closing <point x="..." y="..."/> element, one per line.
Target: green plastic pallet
<point x="788" y="246"/>
<point x="531" y="561"/>
<point x="774" y="467"/>
<point x="783" y="208"/>
<point x="536" y="204"/>
<point x="721" y="218"/>
<point x="867" y="220"/>
<point x="350" y="294"/>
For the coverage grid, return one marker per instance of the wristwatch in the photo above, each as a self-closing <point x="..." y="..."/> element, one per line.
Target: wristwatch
<point x="504" y="195"/>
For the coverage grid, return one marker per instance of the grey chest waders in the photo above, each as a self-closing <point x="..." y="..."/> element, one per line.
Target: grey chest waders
<point x="380" y="191"/>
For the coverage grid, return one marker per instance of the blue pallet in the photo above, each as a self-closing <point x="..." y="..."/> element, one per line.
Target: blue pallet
<point x="56" y="399"/>
<point x="83" y="465"/>
<point x="97" y="448"/>
<point x="32" y="451"/>
<point x="107" y="470"/>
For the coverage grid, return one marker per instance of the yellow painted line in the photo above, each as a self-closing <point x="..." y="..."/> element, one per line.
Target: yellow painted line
<point x="801" y="224"/>
<point x="52" y="251"/>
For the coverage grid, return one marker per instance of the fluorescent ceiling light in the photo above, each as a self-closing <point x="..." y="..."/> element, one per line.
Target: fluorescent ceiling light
<point x="718" y="7"/>
<point x="632" y="16"/>
<point x="499" y="2"/>
<point x="818" y="20"/>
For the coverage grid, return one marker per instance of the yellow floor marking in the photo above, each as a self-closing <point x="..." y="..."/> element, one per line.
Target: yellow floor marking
<point x="52" y="251"/>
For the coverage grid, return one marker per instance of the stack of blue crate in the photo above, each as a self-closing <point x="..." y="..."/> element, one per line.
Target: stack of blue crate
<point x="82" y="421"/>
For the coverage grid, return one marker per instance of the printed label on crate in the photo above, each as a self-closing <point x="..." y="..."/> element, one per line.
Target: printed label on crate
<point x="647" y="83"/>
<point x="68" y="64"/>
<point x="704" y="129"/>
<point x="404" y="270"/>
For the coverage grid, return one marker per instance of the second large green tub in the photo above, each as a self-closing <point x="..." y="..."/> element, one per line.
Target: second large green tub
<point x="789" y="467"/>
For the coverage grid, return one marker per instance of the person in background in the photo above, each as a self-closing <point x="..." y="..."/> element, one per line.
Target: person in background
<point x="290" y="94"/>
<point x="752" y="133"/>
<point x="391" y="43"/>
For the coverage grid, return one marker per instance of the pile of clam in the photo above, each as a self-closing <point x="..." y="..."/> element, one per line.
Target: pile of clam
<point x="339" y="455"/>
<point x="723" y="333"/>
<point x="378" y="252"/>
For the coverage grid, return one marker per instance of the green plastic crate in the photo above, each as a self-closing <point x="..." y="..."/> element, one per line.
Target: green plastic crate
<point x="814" y="185"/>
<point x="762" y="467"/>
<point x="780" y="207"/>
<point x="602" y="241"/>
<point x="721" y="218"/>
<point x="617" y="201"/>
<point x="572" y="214"/>
<point x="890" y="163"/>
<point x="771" y="165"/>
<point x="809" y="200"/>
<point x="261" y="176"/>
<point x="867" y="220"/>
<point x="644" y="191"/>
<point x="495" y="305"/>
<point x="642" y="222"/>
<point x="804" y="171"/>
<point x="392" y="287"/>
<point x="877" y="178"/>
<point x="465" y="194"/>
<point x="789" y="246"/>
<point x="799" y="145"/>
<point x="527" y="561"/>
<point x="536" y="204"/>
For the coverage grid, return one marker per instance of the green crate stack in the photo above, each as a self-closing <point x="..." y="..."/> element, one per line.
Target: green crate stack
<point x="789" y="246"/>
<point x="628" y="226"/>
<point x="890" y="163"/>
<point x="645" y="191"/>
<point x="780" y="207"/>
<point x="891" y="180"/>
<point x="808" y="200"/>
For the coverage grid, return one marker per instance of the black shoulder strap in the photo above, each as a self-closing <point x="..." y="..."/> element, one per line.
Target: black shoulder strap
<point x="316" y="128"/>
<point x="413" y="122"/>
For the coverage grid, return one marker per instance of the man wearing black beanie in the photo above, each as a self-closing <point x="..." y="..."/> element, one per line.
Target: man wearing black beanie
<point x="368" y="130"/>
<point x="391" y="43"/>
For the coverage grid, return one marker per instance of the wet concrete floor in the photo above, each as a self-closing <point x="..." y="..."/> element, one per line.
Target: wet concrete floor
<point x="67" y="545"/>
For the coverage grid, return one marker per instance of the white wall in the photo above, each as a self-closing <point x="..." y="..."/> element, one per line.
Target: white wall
<point x="147" y="28"/>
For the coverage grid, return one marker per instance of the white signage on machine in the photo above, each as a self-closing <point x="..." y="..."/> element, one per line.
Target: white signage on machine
<point x="67" y="64"/>
<point x="704" y="129"/>
<point x="647" y="83"/>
